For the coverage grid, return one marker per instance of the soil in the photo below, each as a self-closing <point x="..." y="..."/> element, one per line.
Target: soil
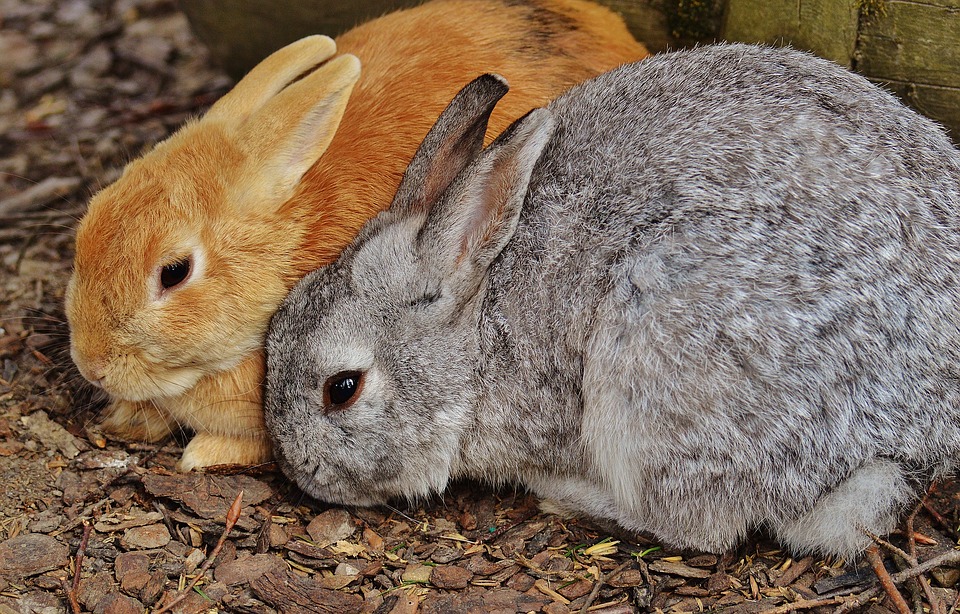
<point x="88" y="524"/>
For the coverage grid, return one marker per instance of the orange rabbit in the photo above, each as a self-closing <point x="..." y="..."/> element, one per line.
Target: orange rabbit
<point x="181" y="262"/>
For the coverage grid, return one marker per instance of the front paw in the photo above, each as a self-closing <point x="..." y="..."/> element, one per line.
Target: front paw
<point x="206" y="449"/>
<point x="136" y="421"/>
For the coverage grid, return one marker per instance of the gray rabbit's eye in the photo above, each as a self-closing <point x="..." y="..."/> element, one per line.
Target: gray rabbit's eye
<point x="175" y="273"/>
<point x="341" y="390"/>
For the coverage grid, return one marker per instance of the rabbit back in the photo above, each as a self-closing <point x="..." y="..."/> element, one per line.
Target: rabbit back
<point x="751" y="256"/>
<point x="415" y="60"/>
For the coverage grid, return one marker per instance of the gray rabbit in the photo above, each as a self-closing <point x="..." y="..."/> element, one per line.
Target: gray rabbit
<point x="706" y="293"/>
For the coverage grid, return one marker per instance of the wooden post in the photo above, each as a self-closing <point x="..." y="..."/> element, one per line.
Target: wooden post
<point x="914" y="49"/>
<point x="828" y="28"/>
<point x="910" y="47"/>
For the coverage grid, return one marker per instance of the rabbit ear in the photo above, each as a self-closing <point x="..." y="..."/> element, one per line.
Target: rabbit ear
<point x="270" y="76"/>
<point x="451" y="144"/>
<point x="286" y="137"/>
<point x="473" y="221"/>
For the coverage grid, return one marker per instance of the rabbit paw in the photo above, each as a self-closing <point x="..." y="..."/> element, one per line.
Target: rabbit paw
<point x="206" y="449"/>
<point x="136" y="421"/>
<point x="871" y="498"/>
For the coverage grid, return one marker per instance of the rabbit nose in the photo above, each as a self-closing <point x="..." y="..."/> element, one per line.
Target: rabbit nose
<point x="92" y="370"/>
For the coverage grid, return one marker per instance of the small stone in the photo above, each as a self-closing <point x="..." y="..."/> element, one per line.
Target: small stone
<point x="193" y="560"/>
<point x="216" y="591"/>
<point x="153" y="588"/>
<point x="373" y="541"/>
<point x="177" y="549"/>
<point x="335" y="582"/>
<point x="118" y="604"/>
<point x="520" y="582"/>
<point x="278" y="536"/>
<point x="331" y="526"/>
<point x="46" y="521"/>
<point x="145" y="538"/>
<point x="416" y="574"/>
<point x="577" y="589"/>
<point x="627" y="577"/>
<point x="450" y="577"/>
<point x="39" y="423"/>
<point x="346" y="569"/>
<point x="134" y="581"/>
<point x="31" y="554"/>
<point x="946" y="576"/>
<point x="445" y="554"/>
<point x="93" y="589"/>
<point x="703" y="560"/>
<point x="718" y="583"/>
<point x="245" y="569"/>
<point x="130" y="562"/>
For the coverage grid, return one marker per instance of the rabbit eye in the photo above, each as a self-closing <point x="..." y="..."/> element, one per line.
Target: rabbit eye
<point x="340" y="391"/>
<point x="175" y="273"/>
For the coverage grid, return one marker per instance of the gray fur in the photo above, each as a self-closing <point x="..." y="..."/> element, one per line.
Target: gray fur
<point x="729" y="302"/>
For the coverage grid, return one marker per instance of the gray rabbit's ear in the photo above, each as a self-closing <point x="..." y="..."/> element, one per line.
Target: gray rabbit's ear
<point x="473" y="221"/>
<point x="452" y="143"/>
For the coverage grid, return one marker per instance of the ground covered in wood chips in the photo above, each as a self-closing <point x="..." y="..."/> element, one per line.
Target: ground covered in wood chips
<point x="92" y="525"/>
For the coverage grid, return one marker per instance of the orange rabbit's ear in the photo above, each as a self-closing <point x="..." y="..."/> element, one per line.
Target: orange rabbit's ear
<point x="270" y="76"/>
<point x="283" y="139"/>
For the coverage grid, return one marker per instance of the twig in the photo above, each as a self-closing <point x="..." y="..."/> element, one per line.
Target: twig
<point x="81" y="551"/>
<point x="71" y="597"/>
<point x="936" y="516"/>
<point x="935" y="605"/>
<point x="950" y="556"/>
<point x="78" y="561"/>
<point x="233" y="515"/>
<point x="599" y="584"/>
<point x="81" y="517"/>
<point x="87" y="511"/>
<point x="804" y="604"/>
<point x="857" y="600"/>
<point x="956" y="602"/>
<point x="873" y="555"/>
<point x="909" y="558"/>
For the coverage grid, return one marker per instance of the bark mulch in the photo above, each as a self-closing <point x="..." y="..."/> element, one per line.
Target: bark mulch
<point x="92" y="525"/>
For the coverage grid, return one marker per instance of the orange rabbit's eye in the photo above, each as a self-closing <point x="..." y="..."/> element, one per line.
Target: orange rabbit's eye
<point x="174" y="274"/>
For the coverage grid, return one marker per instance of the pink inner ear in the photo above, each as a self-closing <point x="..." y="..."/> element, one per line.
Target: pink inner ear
<point x="486" y="204"/>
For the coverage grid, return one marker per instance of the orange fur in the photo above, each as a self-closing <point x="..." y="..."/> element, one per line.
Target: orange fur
<point x="227" y="189"/>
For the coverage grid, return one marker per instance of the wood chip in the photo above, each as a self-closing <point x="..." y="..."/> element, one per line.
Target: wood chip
<point x="678" y="569"/>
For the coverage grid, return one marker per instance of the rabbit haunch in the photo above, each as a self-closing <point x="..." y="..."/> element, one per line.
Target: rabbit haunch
<point x="707" y="293"/>
<point x="274" y="181"/>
